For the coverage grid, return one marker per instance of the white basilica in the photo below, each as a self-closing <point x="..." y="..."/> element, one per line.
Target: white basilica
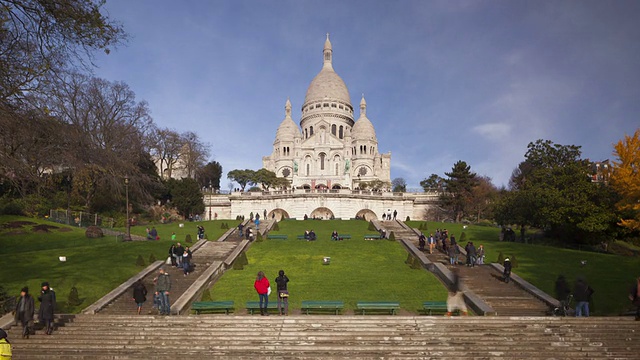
<point x="329" y="149"/>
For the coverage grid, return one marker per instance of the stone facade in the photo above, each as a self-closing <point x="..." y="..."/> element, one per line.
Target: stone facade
<point x="329" y="150"/>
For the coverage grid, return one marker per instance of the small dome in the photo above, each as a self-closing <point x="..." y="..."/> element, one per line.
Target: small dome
<point x="288" y="130"/>
<point x="363" y="128"/>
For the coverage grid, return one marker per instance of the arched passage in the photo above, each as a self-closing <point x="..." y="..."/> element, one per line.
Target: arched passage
<point x="366" y="214"/>
<point x="322" y="213"/>
<point x="278" y="214"/>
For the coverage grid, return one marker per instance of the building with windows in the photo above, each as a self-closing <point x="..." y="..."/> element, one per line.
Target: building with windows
<point x="330" y="149"/>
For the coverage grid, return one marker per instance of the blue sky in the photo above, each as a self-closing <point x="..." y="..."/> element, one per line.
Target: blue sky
<point x="444" y="80"/>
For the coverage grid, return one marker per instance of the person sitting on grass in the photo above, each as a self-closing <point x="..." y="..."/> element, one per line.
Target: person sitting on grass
<point x="312" y="235"/>
<point x="334" y="236"/>
<point x="306" y="234"/>
<point x="153" y="234"/>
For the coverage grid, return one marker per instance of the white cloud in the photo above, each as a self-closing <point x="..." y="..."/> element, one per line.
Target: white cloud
<point x="493" y="131"/>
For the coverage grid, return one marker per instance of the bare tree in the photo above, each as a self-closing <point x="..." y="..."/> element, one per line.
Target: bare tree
<point x="166" y="149"/>
<point x="194" y="153"/>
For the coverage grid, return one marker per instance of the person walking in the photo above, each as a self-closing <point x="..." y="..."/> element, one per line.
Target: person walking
<point x="263" y="288"/>
<point x="139" y="294"/>
<point x="283" y="293"/>
<point x="634" y="296"/>
<point x="47" y="301"/>
<point x="455" y="298"/>
<point x="432" y="243"/>
<point x="582" y="293"/>
<point x="5" y="346"/>
<point x="480" y="258"/>
<point x="451" y="250"/>
<point x="506" y="274"/>
<point x="163" y="286"/>
<point x="25" y="308"/>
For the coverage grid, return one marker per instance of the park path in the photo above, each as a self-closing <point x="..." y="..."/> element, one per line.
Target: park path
<point x="506" y="299"/>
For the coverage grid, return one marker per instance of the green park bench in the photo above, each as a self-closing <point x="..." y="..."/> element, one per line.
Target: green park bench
<point x="254" y="306"/>
<point x="390" y="306"/>
<point x="278" y="236"/>
<point x="300" y="237"/>
<point x="344" y="237"/>
<point x="430" y="307"/>
<point x="372" y="237"/>
<point x="317" y="305"/>
<point x="212" y="306"/>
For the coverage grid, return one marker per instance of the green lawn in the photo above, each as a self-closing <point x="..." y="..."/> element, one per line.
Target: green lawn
<point x="359" y="270"/>
<point x="610" y="276"/>
<point x="94" y="266"/>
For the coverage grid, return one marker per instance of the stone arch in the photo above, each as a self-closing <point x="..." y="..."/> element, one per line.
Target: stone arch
<point x="322" y="213"/>
<point x="280" y="214"/>
<point x="336" y="186"/>
<point x="366" y="214"/>
<point x="306" y="187"/>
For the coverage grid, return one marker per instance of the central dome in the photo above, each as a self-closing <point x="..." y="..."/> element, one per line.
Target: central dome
<point x="327" y="85"/>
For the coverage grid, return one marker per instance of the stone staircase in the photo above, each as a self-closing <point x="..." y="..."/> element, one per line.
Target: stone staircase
<point x="203" y="257"/>
<point x="332" y="337"/>
<point x="505" y="299"/>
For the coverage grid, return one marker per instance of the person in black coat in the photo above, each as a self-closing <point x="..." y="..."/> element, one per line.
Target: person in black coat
<point x="283" y="293"/>
<point x="634" y="296"/>
<point x="582" y="293"/>
<point x="139" y="294"/>
<point x="47" y="301"/>
<point x="25" y="309"/>
<point x="506" y="275"/>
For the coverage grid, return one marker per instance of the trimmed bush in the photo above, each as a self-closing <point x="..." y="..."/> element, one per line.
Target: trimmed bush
<point x="275" y="227"/>
<point x="74" y="298"/>
<point x="206" y="295"/>
<point x="514" y="261"/>
<point x="392" y="236"/>
<point x="500" y="258"/>
<point x="408" y="218"/>
<point x="187" y="239"/>
<point x="463" y="237"/>
<point x="240" y="262"/>
<point x="152" y="258"/>
<point x="371" y="227"/>
<point x="259" y="237"/>
<point x="140" y="261"/>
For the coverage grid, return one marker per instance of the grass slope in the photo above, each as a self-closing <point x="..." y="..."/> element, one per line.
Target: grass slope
<point x="359" y="270"/>
<point x="94" y="266"/>
<point x="610" y="276"/>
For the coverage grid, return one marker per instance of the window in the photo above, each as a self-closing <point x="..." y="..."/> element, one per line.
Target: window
<point x="341" y="135"/>
<point x="310" y="130"/>
<point x="333" y="105"/>
<point x="318" y="106"/>
<point x="333" y="129"/>
<point x="327" y="56"/>
<point x="341" y="107"/>
<point x="322" y="161"/>
<point x="325" y="105"/>
<point x="337" y="169"/>
<point x="306" y="135"/>
<point x="307" y="169"/>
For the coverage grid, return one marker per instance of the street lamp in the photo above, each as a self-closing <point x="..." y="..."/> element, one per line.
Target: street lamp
<point x="126" y="191"/>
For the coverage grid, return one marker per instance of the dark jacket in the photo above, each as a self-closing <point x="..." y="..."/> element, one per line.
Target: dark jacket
<point x="582" y="291"/>
<point x="507" y="267"/>
<point x="29" y="309"/>
<point x="164" y="283"/>
<point x="139" y="293"/>
<point x="281" y="282"/>
<point x="178" y="250"/>
<point x="633" y="295"/>
<point x="47" y="305"/>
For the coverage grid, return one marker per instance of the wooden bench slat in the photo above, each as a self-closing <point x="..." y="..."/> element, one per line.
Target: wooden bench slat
<point x="391" y="306"/>
<point x="201" y="306"/>
<point x="335" y="305"/>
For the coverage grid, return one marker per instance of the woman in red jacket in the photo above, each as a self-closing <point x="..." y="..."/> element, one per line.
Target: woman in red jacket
<point x="262" y="287"/>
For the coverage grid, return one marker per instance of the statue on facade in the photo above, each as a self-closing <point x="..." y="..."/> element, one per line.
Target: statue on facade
<point x="347" y="166"/>
<point x="295" y="167"/>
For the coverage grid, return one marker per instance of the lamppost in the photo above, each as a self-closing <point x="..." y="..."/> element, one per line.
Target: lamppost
<point x="126" y="191"/>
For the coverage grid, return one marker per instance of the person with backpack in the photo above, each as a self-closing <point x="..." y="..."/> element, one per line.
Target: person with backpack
<point x="283" y="293"/>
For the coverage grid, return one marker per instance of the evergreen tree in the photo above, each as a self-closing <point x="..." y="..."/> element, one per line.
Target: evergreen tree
<point x="459" y="190"/>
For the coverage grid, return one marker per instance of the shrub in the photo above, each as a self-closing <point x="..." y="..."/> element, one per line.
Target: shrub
<point x="463" y="237"/>
<point x="222" y="226"/>
<point x="371" y="227"/>
<point x="500" y="258"/>
<point x="392" y="236"/>
<point x="187" y="239"/>
<point x="259" y="237"/>
<point x="514" y="261"/>
<point x="408" y="218"/>
<point x="152" y="258"/>
<point x="240" y="262"/>
<point x="206" y="295"/>
<point x="251" y="216"/>
<point x="74" y="298"/>
<point x="275" y="227"/>
<point x="140" y="261"/>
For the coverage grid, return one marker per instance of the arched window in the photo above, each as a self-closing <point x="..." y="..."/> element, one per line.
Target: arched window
<point x="310" y="130"/>
<point x="337" y="169"/>
<point x="307" y="169"/>
<point x="333" y="129"/>
<point x="322" y="161"/>
<point x="365" y="149"/>
<point x="341" y="134"/>
<point x="306" y="135"/>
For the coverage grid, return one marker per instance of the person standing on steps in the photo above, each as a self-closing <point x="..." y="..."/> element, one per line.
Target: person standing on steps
<point x="283" y="293"/>
<point x="139" y="294"/>
<point x="163" y="286"/>
<point x="47" y="301"/>
<point x="395" y="213"/>
<point x="25" y="308"/>
<point x="582" y="293"/>
<point x="263" y="288"/>
<point x="562" y="291"/>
